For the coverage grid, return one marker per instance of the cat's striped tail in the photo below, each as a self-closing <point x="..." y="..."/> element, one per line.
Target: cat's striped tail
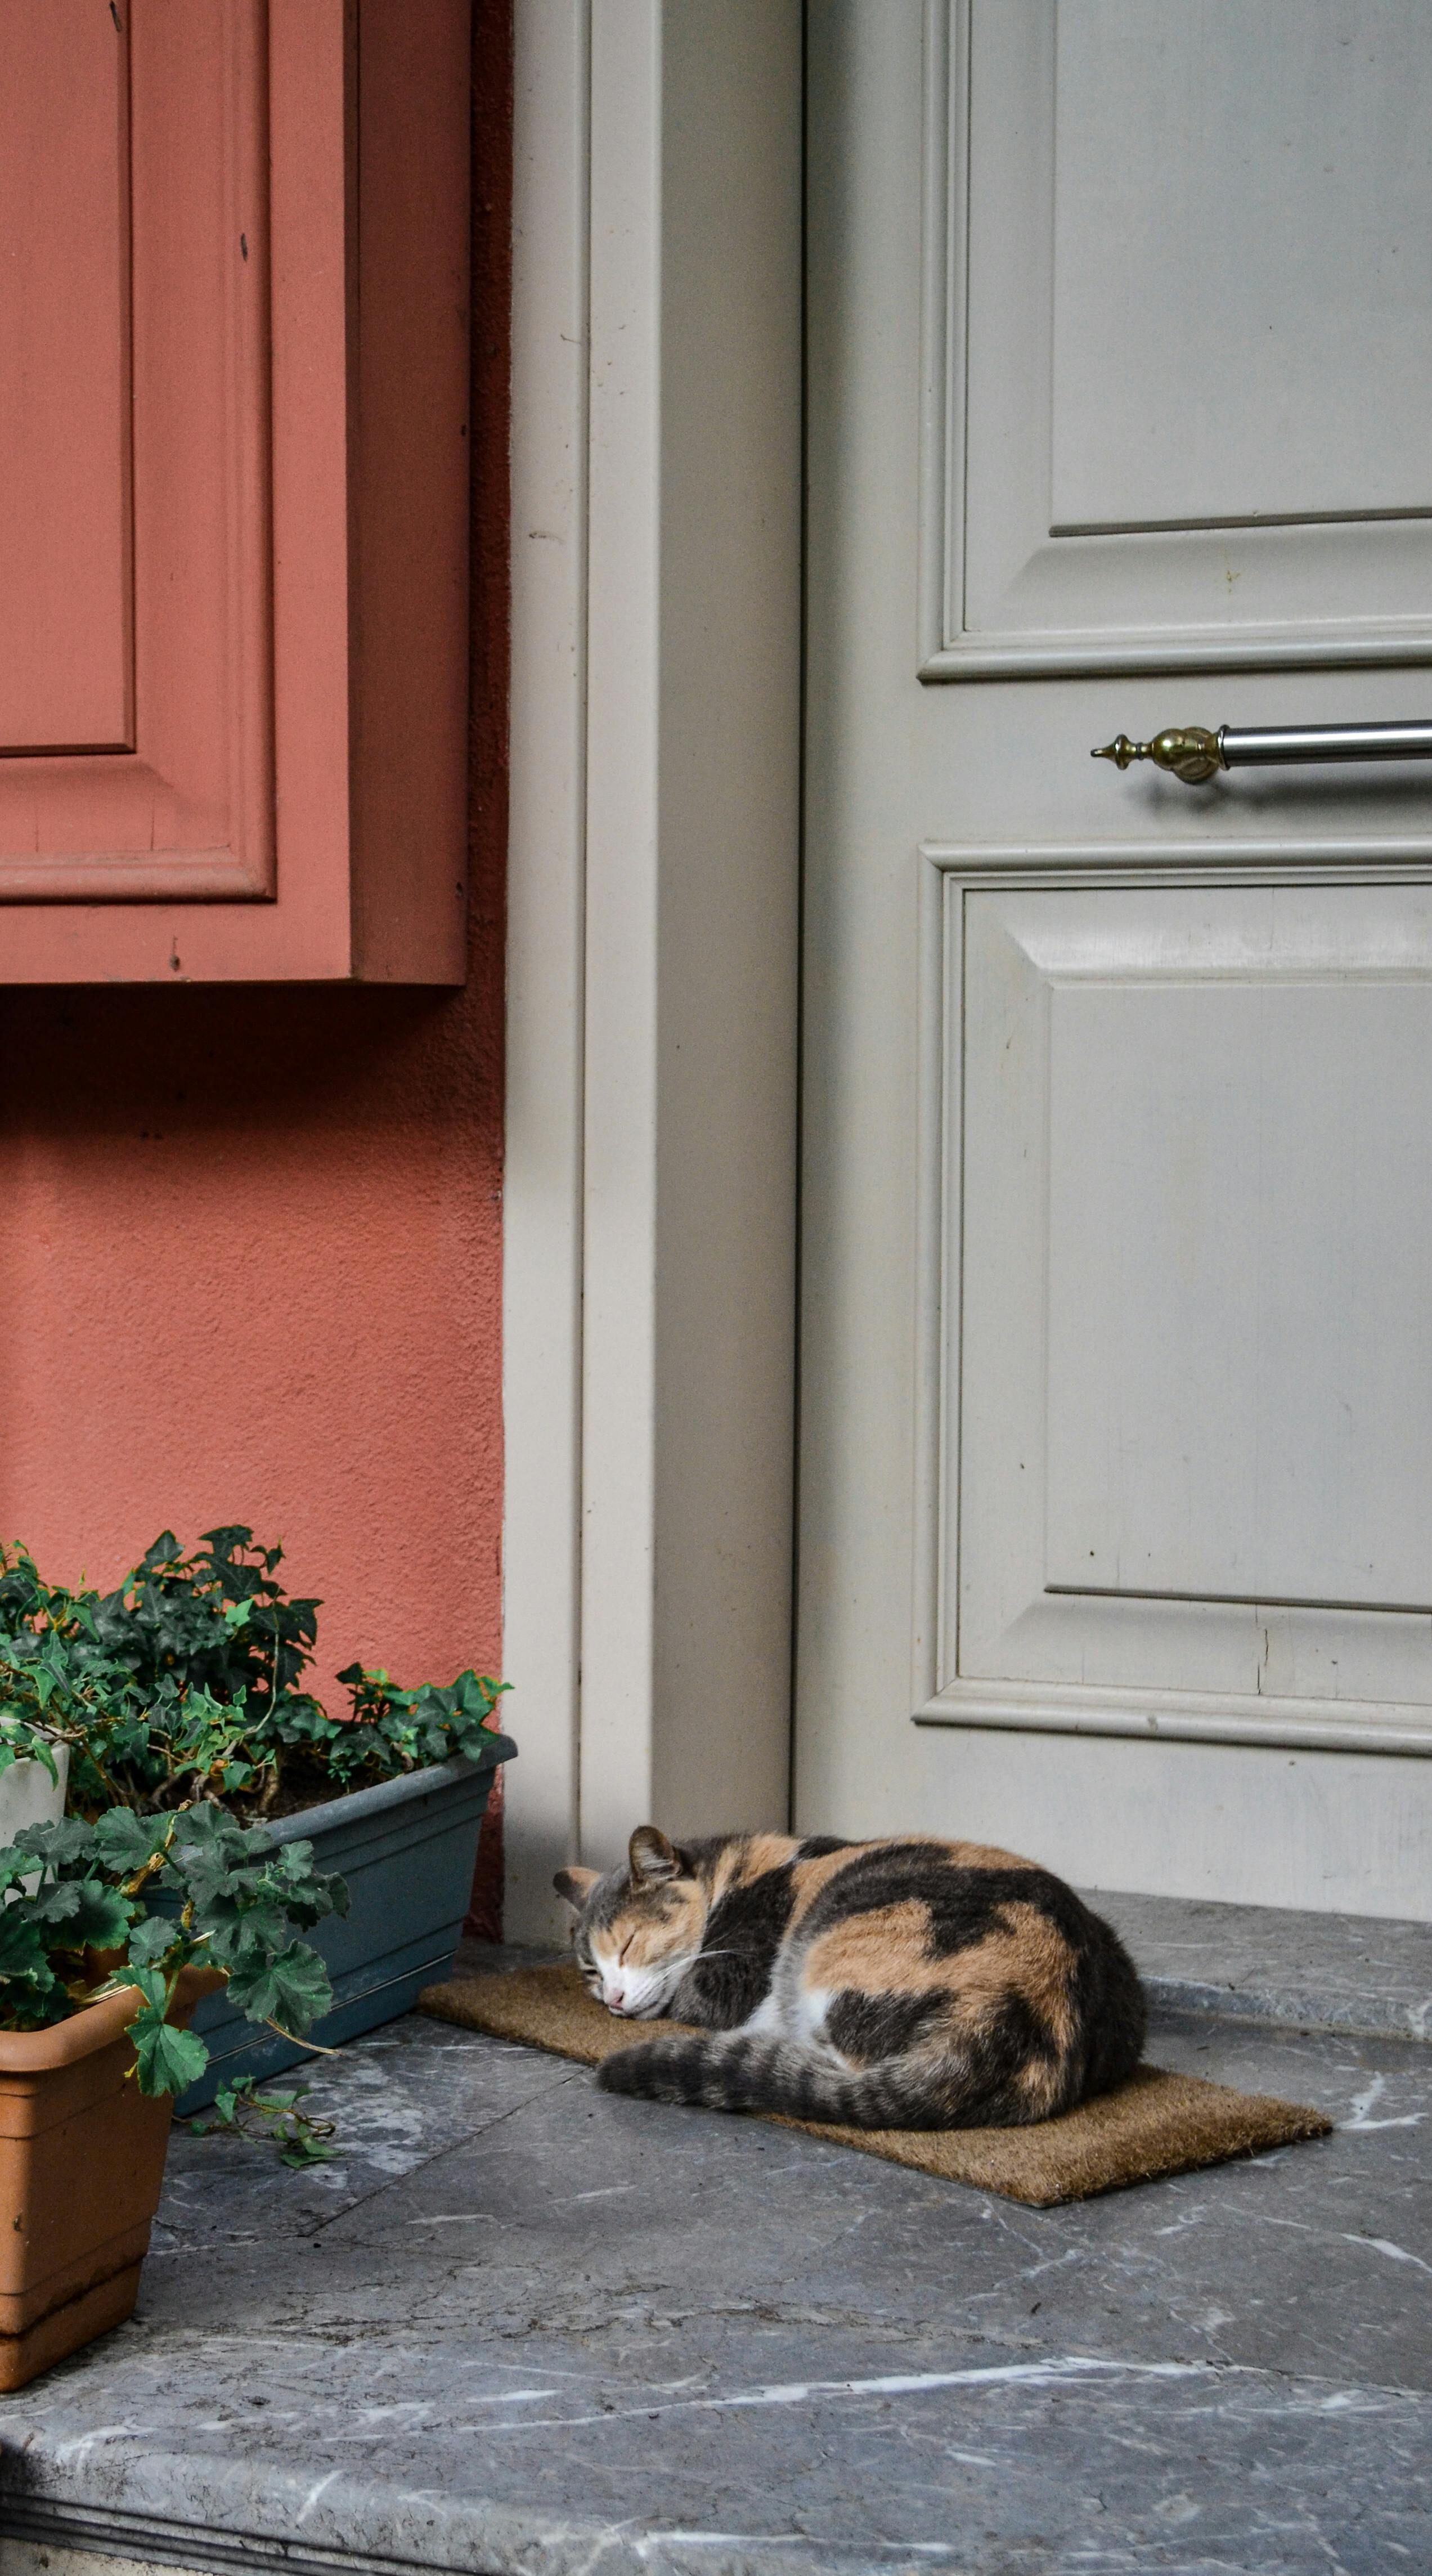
<point x="729" y="2071"/>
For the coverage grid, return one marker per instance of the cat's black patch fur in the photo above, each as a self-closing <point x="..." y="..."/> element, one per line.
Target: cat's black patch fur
<point x="744" y="1930"/>
<point x="965" y="1906"/>
<point x="866" y="2028"/>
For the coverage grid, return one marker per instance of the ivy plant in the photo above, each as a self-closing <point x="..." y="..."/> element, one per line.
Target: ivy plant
<point x="178" y="1700"/>
<point x="183" y="1684"/>
<point x="131" y="1900"/>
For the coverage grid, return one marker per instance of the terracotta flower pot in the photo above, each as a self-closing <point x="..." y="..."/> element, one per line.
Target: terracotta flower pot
<point x="81" y="2165"/>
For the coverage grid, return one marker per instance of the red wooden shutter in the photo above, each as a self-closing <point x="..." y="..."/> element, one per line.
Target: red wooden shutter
<point x="233" y="550"/>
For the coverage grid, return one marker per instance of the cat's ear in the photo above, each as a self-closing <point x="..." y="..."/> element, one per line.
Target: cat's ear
<point x="651" y="1856"/>
<point x="576" y="1885"/>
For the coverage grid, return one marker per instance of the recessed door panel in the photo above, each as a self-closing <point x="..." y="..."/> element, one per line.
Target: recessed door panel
<point x="1195" y="1314"/>
<point x="1240" y="1287"/>
<point x="1242" y="208"/>
<point x="137" y="681"/>
<point x="1173" y="250"/>
<point x="235" y="490"/>
<point x="65" y="528"/>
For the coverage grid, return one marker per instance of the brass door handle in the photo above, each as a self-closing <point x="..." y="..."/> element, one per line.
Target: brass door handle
<point x="1194" y="754"/>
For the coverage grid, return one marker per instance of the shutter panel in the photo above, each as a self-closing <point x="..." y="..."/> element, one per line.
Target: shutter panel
<point x="233" y="561"/>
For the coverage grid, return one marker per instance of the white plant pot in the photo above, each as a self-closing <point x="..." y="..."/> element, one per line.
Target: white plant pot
<point x="28" y="1796"/>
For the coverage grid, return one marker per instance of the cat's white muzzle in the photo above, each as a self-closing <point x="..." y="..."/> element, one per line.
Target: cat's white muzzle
<point x="635" y="1994"/>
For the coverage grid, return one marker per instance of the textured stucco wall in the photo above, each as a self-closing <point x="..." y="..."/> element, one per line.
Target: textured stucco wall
<point x="250" y="1240"/>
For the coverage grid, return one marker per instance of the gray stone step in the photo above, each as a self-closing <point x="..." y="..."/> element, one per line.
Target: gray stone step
<point x="1264" y="1963"/>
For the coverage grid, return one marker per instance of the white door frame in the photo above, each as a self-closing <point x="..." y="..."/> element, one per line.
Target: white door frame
<point x="649" y="1226"/>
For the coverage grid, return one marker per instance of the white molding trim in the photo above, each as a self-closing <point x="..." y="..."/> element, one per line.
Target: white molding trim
<point x="942" y="338"/>
<point x="1393" y="643"/>
<point x="542" y="1212"/>
<point x="651" y="1175"/>
<point x="1244" y="860"/>
<point x="1036" y="1708"/>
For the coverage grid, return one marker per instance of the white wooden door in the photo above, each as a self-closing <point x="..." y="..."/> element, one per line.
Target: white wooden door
<point x="1116" y="1473"/>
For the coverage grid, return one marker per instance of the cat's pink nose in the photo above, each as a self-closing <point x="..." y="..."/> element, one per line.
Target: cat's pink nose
<point x="616" y="1999"/>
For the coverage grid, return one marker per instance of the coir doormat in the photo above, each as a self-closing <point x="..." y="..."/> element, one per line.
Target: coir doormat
<point x="1154" y="2124"/>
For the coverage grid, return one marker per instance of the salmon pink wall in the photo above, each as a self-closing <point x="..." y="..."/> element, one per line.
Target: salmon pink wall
<point x="249" y="1270"/>
<point x="250" y="1239"/>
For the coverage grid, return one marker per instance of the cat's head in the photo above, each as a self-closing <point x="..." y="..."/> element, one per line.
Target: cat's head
<point x="636" y="1930"/>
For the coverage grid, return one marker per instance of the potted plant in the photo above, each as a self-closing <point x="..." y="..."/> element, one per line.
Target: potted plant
<point x="184" y="1684"/>
<point x="96" y="1992"/>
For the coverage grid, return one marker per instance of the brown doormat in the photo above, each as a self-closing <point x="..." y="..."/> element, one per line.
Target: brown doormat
<point x="1154" y="2124"/>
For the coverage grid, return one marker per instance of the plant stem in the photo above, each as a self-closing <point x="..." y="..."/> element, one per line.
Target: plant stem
<point x="317" y="2047"/>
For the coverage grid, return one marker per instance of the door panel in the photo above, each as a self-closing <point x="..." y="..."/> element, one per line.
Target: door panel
<point x="1266" y="251"/>
<point x="1197" y="1415"/>
<point x="1116" y="1447"/>
<point x="1172" y="248"/>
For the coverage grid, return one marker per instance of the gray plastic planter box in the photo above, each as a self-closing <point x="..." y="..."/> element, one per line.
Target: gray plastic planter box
<point x="407" y="1850"/>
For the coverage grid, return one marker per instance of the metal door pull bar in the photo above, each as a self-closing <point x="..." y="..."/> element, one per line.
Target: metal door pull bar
<point x="1192" y="753"/>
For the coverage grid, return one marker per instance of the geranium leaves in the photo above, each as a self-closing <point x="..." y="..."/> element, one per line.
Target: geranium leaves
<point x="289" y="1987"/>
<point x="231" y="1896"/>
<point x="91" y="1915"/>
<point x="126" y="1843"/>
<point x="50" y="1921"/>
<point x="22" y="1946"/>
<point x="149" y="1939"/>
<point x="241" y="2111"/>
<point x="166" y="2060"/>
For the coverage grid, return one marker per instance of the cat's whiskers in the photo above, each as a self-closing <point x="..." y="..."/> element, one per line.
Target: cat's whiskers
<point x="674" y="1971"/>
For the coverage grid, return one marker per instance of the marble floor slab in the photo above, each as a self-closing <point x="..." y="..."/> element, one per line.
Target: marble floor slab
<point x="521" y="2326"/>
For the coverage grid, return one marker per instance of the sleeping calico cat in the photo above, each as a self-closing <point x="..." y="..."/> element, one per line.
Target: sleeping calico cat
<point x="909" y="1984"/>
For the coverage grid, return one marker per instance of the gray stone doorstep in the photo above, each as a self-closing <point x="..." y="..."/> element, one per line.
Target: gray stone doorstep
<point x="526" y="2329"/>
<point x="1264" y="1963"/>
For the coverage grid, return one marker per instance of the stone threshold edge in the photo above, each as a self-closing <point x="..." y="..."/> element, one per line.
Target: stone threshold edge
<point x="261" y="2511"/>
<point x="1363" y="2019"/>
